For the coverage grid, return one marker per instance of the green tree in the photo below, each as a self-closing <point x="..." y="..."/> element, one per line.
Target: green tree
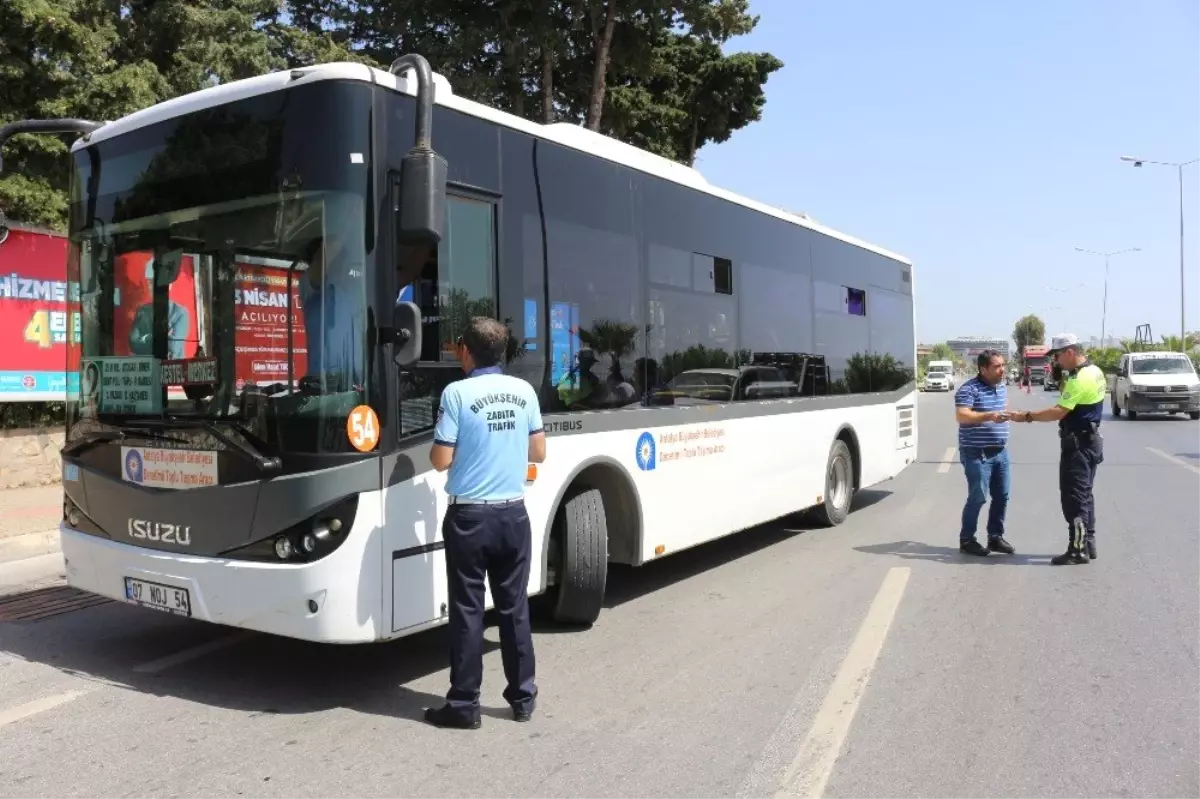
<point x="941" y="352"/>
<point x="648" y="72"/>
<point x="1028" y="331"/>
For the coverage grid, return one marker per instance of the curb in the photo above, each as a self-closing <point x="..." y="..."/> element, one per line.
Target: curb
<point x="29" y="574"/>
<point x="29" y="545"/>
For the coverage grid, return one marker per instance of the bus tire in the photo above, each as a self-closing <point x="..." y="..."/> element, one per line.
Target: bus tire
<point x="583" y="566"/>
<point x="839" y="486"/>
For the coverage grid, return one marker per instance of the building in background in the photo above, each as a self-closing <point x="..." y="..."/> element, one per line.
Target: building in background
<point x="966" y="348"/>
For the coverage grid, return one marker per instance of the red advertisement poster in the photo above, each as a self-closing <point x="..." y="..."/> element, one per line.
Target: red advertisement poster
<point x="133" y="314"/>
<point x="34" y="316"/>
<point x="261" y="334"/>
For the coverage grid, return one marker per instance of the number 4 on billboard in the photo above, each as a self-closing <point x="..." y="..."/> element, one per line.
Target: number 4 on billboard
<point x="362" y="428"/>
<point x="37" y="330"/>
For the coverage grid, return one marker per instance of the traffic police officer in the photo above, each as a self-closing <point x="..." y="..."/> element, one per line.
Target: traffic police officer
<point x="489" y="428"/>
<point x="1078" y="415"/>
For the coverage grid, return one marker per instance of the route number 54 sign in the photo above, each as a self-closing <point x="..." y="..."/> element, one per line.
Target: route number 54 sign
<point x="362" y="428"/>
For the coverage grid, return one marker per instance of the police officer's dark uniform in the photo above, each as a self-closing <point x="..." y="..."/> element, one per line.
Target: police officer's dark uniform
<point x="486" y="421"/>
<point x="1082" y="451"/>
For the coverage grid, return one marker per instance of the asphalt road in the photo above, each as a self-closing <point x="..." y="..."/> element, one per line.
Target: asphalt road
<point x="867" y="660"/>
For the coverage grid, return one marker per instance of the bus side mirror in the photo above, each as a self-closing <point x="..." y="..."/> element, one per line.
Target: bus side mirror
<point x="407" y="339"/>
<point x="422" y="211"/>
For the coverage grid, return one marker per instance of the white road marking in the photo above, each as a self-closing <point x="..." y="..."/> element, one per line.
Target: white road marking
<point x="170" y="661"/>
<point x="28" y="709"/>
<point x="813" y="765"/>
<point x="948" y="460"/>
<point x="1176" y="461"/>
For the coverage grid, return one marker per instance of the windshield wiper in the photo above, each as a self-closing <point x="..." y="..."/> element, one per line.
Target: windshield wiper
<point x="84" y="443"/>
<point x="267" y="464"/>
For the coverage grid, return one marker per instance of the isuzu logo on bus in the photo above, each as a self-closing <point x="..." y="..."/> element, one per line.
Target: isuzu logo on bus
<point x="160" y="531"/>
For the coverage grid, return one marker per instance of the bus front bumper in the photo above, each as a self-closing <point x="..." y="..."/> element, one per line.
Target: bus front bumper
<point x="309" y="601"/>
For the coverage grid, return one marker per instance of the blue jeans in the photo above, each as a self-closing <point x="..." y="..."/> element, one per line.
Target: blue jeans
<point x="986" y="475"/>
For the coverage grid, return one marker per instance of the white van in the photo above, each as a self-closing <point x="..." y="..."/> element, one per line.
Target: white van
<point x="940" y="376"/>
<point x="1156" y="382"/>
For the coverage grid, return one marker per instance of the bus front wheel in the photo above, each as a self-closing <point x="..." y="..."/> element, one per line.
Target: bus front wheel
<point x="581" y="564"/>
<point x="839" y="486"/>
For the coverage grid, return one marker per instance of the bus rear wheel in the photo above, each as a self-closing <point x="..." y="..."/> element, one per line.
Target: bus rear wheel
<point x="581" y="557"/>
<point x="839" y="486"/>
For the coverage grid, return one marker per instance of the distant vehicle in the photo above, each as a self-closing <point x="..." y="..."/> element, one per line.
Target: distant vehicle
<point x="1037" y="358"/>
<point x="1156" y="382"/>
<point x="939" y="381"/>
<point x="940" y="376"/>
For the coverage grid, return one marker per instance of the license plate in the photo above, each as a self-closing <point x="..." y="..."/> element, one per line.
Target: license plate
<point x="158" y="596"/>
<point x="1168" y="406"/>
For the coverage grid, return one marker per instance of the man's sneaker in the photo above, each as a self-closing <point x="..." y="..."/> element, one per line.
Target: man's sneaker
<point x="1070" y="558"/>
<point x="998" y="544"/>
<point x="973" y="547"/>
<point x="1089" y="544"/>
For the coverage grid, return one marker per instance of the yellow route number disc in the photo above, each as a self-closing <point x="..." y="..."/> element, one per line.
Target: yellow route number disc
<point x="362" y="428"/>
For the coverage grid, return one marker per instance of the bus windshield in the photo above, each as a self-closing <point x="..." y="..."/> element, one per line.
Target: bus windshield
<point x="221" y="264"/>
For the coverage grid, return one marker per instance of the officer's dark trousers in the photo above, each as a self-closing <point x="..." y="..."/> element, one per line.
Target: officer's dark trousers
<point x="1081" y="454"/>
<point x="494" y="540"/>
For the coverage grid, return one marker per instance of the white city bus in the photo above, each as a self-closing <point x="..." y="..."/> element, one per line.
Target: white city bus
<point x="271" y="272"/>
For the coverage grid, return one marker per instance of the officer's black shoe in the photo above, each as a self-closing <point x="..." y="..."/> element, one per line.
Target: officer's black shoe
<point x="998" y="544"/>
<point x="527" y="713"/>
<point x="1089" y="543"/>
<point x="1071" y="557"/>
<point x="973" y="547"/>
<point x="448" y="718"/>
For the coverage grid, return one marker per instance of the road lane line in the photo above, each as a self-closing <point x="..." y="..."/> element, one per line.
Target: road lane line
<point x="813" y="765"/>
<point x="170" y="661"/>
<point x="947" y="460"/>
<point x="28" y="709"/>
<point x="1176" y="461"/>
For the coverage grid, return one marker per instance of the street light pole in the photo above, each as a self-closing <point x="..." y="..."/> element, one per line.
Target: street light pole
<point x="1182" y="297"/>
<point x="1182" y="324"/>
<point x="1104" y="309"/>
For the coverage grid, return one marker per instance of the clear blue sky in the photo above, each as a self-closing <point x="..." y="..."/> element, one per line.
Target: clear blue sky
<point x="982" y="140"/>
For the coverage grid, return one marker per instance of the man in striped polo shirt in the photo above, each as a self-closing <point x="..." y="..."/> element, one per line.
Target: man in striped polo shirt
<point x="981" y="410"/>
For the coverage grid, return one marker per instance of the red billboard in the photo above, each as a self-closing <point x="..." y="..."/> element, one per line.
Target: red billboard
<point x="34" y="317"/>
<point x="39" y="310"/>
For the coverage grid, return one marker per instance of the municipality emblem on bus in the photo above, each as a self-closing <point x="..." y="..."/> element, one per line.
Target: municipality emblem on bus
<point x="133" y="466"/>
<point x="645" y="452"/>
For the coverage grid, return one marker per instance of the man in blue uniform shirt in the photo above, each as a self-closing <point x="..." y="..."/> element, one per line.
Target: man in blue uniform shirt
<point x="981" y="410"/>
<point x="489" y="429"/>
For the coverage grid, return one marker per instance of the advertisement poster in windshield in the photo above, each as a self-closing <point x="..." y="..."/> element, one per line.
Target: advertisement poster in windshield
<point x="133" y="322"/>
<point x="261" y="335"/>
<point x="34" y="317"/>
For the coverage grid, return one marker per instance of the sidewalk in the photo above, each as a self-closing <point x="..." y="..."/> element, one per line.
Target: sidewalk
<point x="29" y="543"/>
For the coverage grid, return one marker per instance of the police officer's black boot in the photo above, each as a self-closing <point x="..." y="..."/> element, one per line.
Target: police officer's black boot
<point x="1089" y="543"/>
<point x="1075" y="554"/>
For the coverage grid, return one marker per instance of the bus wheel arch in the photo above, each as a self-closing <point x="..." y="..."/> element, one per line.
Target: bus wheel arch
<point x="844" y="465"/>
<point x="596" y="520"/>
